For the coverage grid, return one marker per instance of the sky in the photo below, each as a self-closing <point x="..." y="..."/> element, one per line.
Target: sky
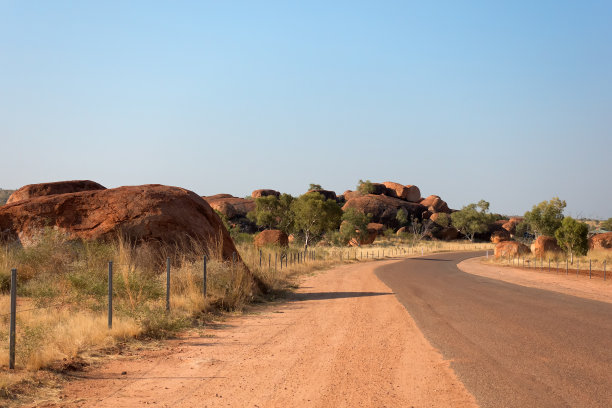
<point x="507" y="101"/>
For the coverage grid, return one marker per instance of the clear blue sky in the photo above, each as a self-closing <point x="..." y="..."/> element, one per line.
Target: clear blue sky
<point x="506" y="101"/>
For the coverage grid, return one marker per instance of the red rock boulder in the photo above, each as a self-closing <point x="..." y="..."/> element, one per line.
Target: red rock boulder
<point x="348" y="194"/>
<point x="511" y="249"/>
<point x="47" y="189"/>
<point x="414" y="193"/>
<point x="500" y="236"/>
<point x="374" y="230"/>
<point x="435" y="204"/>
<point x="149" y="213"/>
<point x="271" y="237"/>
<point x="396" y="190"/>
<point x="383" y="209"/>
<point x="231" y="207"/>
<point x="544" y="245"/>
<point x="511" y="224"/>
<point x="601" y="241"/>
<point x="264" y="193"/>
<point x="402" y="230"/>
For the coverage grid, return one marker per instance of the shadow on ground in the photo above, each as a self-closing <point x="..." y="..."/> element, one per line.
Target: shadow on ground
<point x="333" y="295"/>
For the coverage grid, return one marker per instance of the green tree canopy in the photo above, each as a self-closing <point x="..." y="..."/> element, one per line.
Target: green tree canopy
<point x="354" y="225"/>
<point x="606" y="225"/>
<point x="314" y="186"/>
<point x="402" y="217"/>
<point x="314" y="215"/>
<point x="546" y="217"/>
<point x="273" y="212"/>
<point x="572" y="236"/>
<point x="472" y="219"/>
<point x="365" y="187"/>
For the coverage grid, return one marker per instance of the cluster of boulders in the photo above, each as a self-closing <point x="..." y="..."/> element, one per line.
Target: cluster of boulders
<point x="544" y="245"/>
<point x="83" y="209"/>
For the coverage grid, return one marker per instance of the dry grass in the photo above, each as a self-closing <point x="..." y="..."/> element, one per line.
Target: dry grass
<point x="62" y="290"/>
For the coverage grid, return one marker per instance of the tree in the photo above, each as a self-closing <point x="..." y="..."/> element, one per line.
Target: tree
<point x="273" y="212"/>
<point x="402" y="217"/>
<point x="546" y="217"/>
<point x="354" y="225"/>
<point x="314" y="187"/>
<point x="314" y="215"/>
<point x="365" y="187"/>
<point x="606" y="225"/>
<point x="572" y="236"/>
<point x="443" y="220"/>
<point x="472" y="219"/>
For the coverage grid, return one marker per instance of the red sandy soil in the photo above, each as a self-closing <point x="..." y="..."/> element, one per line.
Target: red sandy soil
<point x="331" y="346"/>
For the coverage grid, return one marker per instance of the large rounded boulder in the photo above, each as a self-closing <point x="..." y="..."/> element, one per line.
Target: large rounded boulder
<point x="265" y="193"/>
<point x="271" y="237"/>
<point x="58" y="187"/>
<point x="435" y="204"/>
<point x="142" y="214"/>
<point x="601" y="241"/>
<point x="383" y="209"/>
<point x="328" y="194"/>
<point x="511" y="224"/>
<point x="396" y="190"/>
<point x="230" y="206"/>
<point x="511" y="249"/>
<point x="544" y="245"/>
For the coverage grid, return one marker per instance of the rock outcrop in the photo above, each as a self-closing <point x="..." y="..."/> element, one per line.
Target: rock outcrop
<point x="328" y="194"/>
<point x="601" y="241"/>
<point x="265" y="193"/>
<point x="47" y="189"/>
<point x="374" y="230"/>
<point x="511" y="249"/>
<point x="383" y="208"/>
<point x="397" y="190"/>
<point x="543" y="245"/>
<point x="271" y="237"/>
<point x="143" y="214"/>
<point x="435" y="204"/>
<point x="500" y="236"/>
<point x="235" y="209"/>
<point x="511" y="224"/>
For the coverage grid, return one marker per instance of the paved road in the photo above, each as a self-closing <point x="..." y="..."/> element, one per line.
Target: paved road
<point x="512" y="346"/>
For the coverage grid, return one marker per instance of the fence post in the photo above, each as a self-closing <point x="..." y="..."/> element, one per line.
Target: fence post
<point x="589" y="269"/>
<point x="13" y="319"/>
<point x="548" y="265"/>
<point x="275" y="257"/>
<point x="487" y="254"/>
<point x="269" y="261"/>
<point x="168" y="284"/>
<point x="577" y="266"/>
<point x="566" y="267"/>
<point x="604" y="270"/>
<point x="260" y="259"/>
<point x="110" y="295"/>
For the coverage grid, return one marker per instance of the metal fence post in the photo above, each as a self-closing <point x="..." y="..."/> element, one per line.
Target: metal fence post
<point x="260" y="258"/>
<point x="589" y="269"/>
<point x="204" y="278"/>
<point x="110" y="294"/>
<point x="13" y="319"/>
<point x="566" y="267"/>
<point x="168" y="284"/>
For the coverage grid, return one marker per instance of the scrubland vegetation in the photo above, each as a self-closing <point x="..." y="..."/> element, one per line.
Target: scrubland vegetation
<point x="62" y="291"/>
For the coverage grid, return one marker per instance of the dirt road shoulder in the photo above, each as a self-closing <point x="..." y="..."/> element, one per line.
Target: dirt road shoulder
<point x="342" y="340"/>
<point x="581" y="286"/>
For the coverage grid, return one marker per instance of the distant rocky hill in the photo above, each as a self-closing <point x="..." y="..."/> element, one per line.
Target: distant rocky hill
<point x="4" y="195"/>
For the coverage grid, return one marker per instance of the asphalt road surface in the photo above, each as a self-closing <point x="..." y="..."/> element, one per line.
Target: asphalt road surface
<point x="512" y="346"/>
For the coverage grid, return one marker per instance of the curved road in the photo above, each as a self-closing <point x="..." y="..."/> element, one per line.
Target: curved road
<point x="512" y="346"/>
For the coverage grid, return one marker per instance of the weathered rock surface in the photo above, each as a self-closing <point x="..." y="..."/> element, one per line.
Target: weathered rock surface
<point x="265" y="193"/>
<point x="414" y="193"/>
<point x="149" y="213"/>
<point x="402" y="230"/>
<point x="348" y="194"/>
<point x="230" y="206"/>
<point x="383" y="208"/>
<point x="396" y="190"/>
<point x="511" y="249"/>
<point x="374" y="230"/>
<point x="47" y="189"/>
<point x="601" y="241"/>
<point x="511" y="224"/>
<point x="543" y="245"/>
<point x="500" y="235"/>
<point x="271" y="237"/>
<point x="435" y="204"/>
